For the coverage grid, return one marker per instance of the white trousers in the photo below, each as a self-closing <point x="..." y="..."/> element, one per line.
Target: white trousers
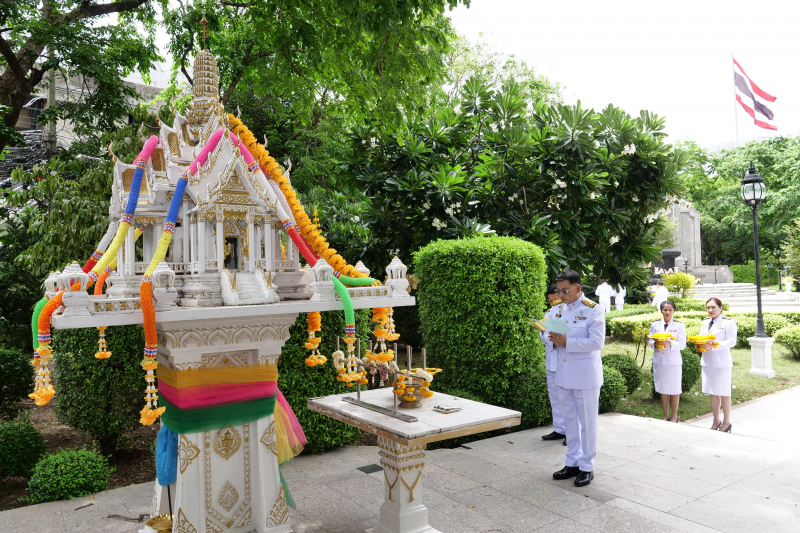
<point x="555" y="403"/>
<point x="605" y="303"/>
<point x="580" y="408"/>
<point x="620" y="302"/>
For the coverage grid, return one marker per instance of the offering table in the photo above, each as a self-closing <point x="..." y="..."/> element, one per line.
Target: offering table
<point x="402" y="445"/>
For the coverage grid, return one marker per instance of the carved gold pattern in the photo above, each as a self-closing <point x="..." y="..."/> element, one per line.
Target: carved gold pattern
<point x="246" y="519"/>
<point x="148" y="221"/>
<point x="212" y="527"/>
<point x="187" y="138"/>
<point x="213" y="516"/>
<point x="187" y="452"/>
<point x="224" y="360"/>
<point x="227" y="442"/>
<point x="127" y="181"/>
<point x="182" y="524"/>
<point x="279" y="514"/>
<point x="269" y="439"/>
<point x="157" y="158"/>
<point x="411" y="488"/>
<point x="228" y="496"/>
<point x="390" y="485"/>
<point x="174" y="144"/>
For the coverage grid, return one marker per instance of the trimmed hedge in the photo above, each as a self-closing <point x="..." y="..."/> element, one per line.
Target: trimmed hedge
<point x="474" y="296"/>
<point x="101" y="397"/>
<point x="694" y="304"/>
<point x="630" y="310"/>
<point x="528" y="395"/>
<point x="16" y="381"/>
<point x="789" y="337"/>
<point x="298" y="382"/>
<point x="747" y="274"/>
<point x="627" y="366"/>
<point x="613" y="389"/>
<point x="622" y="328"/>
<point x="21" y="447"/>
<point x="68" y="474"/>
<point x="690" y="371"/>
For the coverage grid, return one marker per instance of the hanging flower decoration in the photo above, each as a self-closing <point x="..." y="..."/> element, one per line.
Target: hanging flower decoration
<point x="314" y="321"/>
<point x="102" y="349"/>
<point x="416" y="382"/>
<point x="383" y="355"/>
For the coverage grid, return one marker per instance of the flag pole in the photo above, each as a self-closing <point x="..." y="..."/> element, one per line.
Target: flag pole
<point x="735" y="116"/>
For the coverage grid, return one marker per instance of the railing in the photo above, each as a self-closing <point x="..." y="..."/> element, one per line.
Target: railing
<point x="367" y="292"/>
<point x="178" y="268"/>
<point x="121" y="305"/>
<point x="284" y="265"/>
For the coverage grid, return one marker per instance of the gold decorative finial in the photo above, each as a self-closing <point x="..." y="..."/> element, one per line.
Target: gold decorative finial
<point x="204" y="24"/>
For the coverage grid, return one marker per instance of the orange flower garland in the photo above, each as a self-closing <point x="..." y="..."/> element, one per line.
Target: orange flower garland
<point x="314" y="324"/>
<point x="151" y="410"/>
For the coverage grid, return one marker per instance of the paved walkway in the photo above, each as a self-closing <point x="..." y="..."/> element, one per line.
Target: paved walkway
<point x="650" y="477"/>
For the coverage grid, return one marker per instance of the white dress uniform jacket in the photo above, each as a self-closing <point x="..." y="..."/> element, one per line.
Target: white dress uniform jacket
<point x="604" y="293"/>
<point x="662" y="295"/>
<point x="579" y="365"/>
<point x="672" y="354"/>
<point x="725" y="331"/>
<point x="550" y="358"/>
<point x="619" y="297"/>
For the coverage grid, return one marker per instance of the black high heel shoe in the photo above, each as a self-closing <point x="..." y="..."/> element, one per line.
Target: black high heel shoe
<point x="717" y="428"/>
<point x="729" y="428"/>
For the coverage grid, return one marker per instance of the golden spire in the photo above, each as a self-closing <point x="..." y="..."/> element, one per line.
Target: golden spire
<point x="204" y="24"/>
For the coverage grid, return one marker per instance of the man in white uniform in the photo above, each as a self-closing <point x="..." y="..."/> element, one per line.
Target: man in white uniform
<point x="550" y="366"/>
<point x="619" y="297"/>
<point x="604" y="293"/>
<point x="579" y="375"/>
<point x="662" y="295"/>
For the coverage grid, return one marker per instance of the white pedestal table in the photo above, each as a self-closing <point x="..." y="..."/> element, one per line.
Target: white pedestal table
<point x="402" y="445"/>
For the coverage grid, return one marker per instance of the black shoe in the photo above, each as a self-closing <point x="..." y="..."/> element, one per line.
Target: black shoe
<point x="567" y="472"/>
<point x="564" y="443"/>
<point x="584" y="478"/>
<point x="553" y="436"/>
<point x="716" y="428"/>
<point x="727" y="430"/>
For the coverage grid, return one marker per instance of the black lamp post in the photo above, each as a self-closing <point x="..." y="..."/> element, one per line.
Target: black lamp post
<point x="778" y="255"/>
<point x="753" y="193"/>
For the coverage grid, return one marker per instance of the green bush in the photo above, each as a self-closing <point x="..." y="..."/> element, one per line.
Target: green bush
<point x="627" y="366"/>
<point x="68" y="474"/>
<point x="747" y="328"/>
<point x="16" y="381"/>
<point x="789" y="337"/>
<point x="101" y="397"/>
<point x="528" y="395"/>
<point x="695" y="304"/>
<point x="630" y="310"/>
<point x="474" y="297"/>
<point x="21" y="447"/>
<point x="298" y="382"/>
<point x="747" y="274"/>
<point x="613" y="389"/>
<point x="690" y="371"/>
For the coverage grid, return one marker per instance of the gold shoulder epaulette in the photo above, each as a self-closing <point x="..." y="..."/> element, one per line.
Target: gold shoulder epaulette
<point x="588" y="303"/>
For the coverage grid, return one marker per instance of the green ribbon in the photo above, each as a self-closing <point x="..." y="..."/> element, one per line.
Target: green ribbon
<point x="356" y="282"/>
<point x="37" y="310"/>
<point x="198" y="420"/>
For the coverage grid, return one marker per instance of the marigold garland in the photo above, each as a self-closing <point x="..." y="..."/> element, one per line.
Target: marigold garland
<point x="314" y="321"/>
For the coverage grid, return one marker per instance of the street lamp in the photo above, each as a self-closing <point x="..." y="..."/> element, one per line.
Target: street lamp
<point x="778" y="255"/>
<point x="753" y="193"/>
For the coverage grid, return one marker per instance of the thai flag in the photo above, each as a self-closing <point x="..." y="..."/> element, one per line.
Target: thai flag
<point x="745" y="87"/>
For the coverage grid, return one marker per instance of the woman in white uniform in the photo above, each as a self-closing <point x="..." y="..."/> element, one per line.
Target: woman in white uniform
<point x="667" y="362"/>
<point x="717" y="362"/>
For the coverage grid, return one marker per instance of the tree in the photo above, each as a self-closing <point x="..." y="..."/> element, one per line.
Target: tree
<point x="712" y="182"/>
<point x="37" y="36"/>
<point x="21" y="289"/>
<point x="792" y="250"/>
<point x="587" y="187"/>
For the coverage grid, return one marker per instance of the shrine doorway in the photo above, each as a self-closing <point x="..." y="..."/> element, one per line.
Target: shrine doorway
<point x="232" y="253"/>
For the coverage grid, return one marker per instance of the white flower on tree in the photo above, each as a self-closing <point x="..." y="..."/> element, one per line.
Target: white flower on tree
<point x="629" y="149"/>
<point x="438" y="224"/>
<point x="426" y="205"/>
<point x="614" y="240"/>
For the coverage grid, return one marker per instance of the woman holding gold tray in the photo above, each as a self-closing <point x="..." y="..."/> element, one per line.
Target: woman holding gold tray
<point x="668" y="338"/>
<point x="717" y="362"/>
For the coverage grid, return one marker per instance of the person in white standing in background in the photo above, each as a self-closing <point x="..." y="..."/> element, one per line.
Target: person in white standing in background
<point x="619" y="297"/>
<point x="550" y="365"/>
<point x="579" y="376"/>
<point x="662" y="295"/>
<point x="667" y="361"/>
<point x="717" y="363"/>
<point x="604" y="293"/>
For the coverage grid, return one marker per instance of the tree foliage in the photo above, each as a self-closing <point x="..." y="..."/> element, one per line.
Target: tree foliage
<point x="72" y="37"/>
<point x="712" y="182"/>
<point x="584" y="186"/>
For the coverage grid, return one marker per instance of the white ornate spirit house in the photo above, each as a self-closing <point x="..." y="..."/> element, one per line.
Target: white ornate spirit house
<point x="225" y="296"/>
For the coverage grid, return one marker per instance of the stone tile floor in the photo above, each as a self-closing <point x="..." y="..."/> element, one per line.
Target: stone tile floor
<point x="650" y="477"/>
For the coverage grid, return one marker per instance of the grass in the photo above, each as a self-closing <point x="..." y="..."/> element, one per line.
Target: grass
<point x="695" y="403"/>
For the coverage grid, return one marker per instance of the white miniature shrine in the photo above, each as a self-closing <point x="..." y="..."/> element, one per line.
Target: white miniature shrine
<point x="225" y="296"/>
